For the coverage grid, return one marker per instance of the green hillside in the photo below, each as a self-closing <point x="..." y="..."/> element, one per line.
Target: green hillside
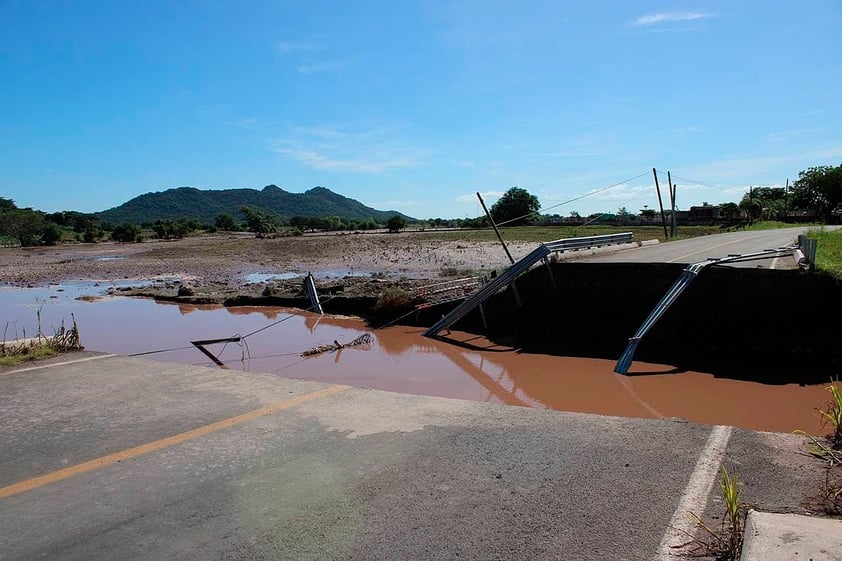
<point x="205" y="205"/>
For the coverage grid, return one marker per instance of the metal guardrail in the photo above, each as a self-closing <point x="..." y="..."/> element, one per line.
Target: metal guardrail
<point x="589" y="241"/>
<point x="312" y="293"/>
<point x="687" y="276"/>
<point x="520" y="267"/>
<point x="489" y="290"/>
<point x="806" y="252"/>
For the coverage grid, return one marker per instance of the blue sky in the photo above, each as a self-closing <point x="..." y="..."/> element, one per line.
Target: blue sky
<point x="417" y="105"/>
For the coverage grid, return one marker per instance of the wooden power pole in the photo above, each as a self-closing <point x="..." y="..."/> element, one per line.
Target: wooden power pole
<point x="660" y="203"/>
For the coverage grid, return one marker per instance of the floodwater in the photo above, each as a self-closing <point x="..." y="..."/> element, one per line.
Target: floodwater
<point x="400" y="359"/>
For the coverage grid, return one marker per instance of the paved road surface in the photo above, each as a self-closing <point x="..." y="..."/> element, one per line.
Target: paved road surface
<point x="698" y="249"/>
<point x="121" y="458"/>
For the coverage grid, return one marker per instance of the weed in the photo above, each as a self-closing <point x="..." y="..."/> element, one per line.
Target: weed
<point x="41" y="346"/>
<point x="832" y="415"/>
<point x="830" y="447"/>
<point x="830" y="494"/>
<point x="725" y="544"/>
<point x="393" y="299"/>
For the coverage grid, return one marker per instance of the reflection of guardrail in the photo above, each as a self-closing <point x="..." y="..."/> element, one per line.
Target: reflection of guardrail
<point x="519" y="267"/>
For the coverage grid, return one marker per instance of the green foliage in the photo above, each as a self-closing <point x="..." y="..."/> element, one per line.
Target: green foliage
<point x="832" y="416"/>
<point x="729" y="488"/>
<point x="392" y="300"/>
<point x="226" y="222"/>
<point x="172" y="229"/>
<point x="206" y="205"/>
<point x="259" y="222"/>
<point x="51" y="233"/>
<point x="7" y="205"/>
<point x="396" y="223"/>
<point x="764" y="203"/>
<point x="515" y="207"/>
<point x="819" y="188"/>
<point x="25" y="225"/>
<point x="126" y="232"/>
<point x="41" y="346"/>
<point x="725" y="544"/>
<point x="828" y="251"/>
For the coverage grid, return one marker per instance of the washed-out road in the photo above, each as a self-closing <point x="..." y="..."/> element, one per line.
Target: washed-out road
<point x="116" y="458"/>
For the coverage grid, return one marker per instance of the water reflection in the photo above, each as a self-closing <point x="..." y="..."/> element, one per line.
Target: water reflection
<point x="400" y="359"/>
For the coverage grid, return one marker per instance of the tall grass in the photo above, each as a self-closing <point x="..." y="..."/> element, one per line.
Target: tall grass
<point x="828" y="250"/>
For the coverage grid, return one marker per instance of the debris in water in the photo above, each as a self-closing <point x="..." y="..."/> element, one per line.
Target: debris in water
<point x="363" y="340"/>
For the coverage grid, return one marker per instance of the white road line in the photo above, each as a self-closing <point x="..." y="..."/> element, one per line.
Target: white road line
<point x="696" y="494"/>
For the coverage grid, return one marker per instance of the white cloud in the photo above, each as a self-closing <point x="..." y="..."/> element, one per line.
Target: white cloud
<point x="324" y="66"/>
<point x="472" y="198"/>
<point x="792" y="135"/>
<point x="321" y="132"/>
<point x="245" y="123"/>
<point x="622" y="192"/>
<point x="574" y="154"/>
<point x="321" y="161"/>
<point x="332" y="149"/>
<point x="389" y="205"/>
<point x="665" y="17"/>
<point x="687" y="130"/>
<point x="286" y="47"/>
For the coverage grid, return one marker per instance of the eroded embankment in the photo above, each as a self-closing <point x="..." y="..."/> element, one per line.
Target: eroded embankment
<point x="750" y="324"/>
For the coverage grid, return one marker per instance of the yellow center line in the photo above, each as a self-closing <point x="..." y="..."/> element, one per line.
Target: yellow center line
<point x="153" y="446"/>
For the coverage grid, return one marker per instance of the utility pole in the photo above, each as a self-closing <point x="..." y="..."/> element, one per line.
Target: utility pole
<point x="786" y="196"/>
<point x="506" y="248"/>
<point x="672" y="205"/>
<point x="496" y="231"/>
<point x="660" y="203"/>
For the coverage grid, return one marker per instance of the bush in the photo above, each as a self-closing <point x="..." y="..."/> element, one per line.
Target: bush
<point x="125" y="232"/>
<point x="393" y="299"/>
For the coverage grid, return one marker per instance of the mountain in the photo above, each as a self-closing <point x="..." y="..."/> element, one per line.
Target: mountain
<point x="205" y="205"/>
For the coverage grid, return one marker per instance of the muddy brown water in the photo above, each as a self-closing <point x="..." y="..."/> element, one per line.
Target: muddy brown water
<point x="401" y="359"/>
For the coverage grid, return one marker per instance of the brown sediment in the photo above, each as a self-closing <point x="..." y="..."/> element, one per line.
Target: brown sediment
<point x="465" y="366"/>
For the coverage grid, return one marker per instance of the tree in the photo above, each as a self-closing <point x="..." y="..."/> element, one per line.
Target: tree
<point x="729" y="210"/>
<point x="819" y="188"/>
<point x="751" y="207"/>
<point x="515" y="207"/>
<point x="259" y="222"/>
<point x="126" y="232"/>
<point x="396" y="223"/>
<point x="24" y="224"/>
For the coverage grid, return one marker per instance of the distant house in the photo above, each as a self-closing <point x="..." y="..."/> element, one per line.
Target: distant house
<point x="704" y="212"/>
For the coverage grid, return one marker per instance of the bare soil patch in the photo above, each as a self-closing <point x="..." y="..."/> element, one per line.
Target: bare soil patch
<point x="216" y="267"/>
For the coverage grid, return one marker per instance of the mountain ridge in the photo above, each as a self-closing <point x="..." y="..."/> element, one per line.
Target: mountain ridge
<point x="206" y="204"/>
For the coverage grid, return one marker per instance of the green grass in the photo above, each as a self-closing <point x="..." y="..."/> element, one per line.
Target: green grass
<point x="828" y="251"/>
<point x="35" y="354"/>
<point x="548" y="233"/>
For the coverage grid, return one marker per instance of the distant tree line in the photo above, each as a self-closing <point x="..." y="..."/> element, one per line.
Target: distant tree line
<point x="817" y="193"/>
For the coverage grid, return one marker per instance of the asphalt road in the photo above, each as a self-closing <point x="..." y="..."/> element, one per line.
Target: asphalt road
<point x="694" y="250"/>
<point x="123" y="458"/>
